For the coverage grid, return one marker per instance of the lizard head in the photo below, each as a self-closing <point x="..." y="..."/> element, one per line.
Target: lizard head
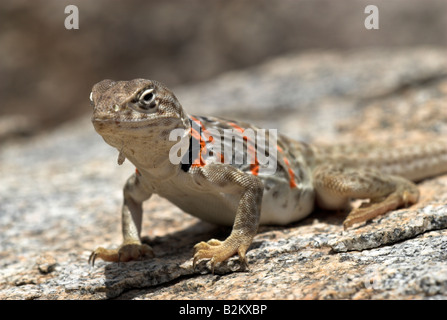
<point x="133" y="106"/>
<point x="136" y="114"/>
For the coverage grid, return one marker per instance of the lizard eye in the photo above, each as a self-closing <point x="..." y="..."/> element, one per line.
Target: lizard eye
<point x="147" y="96"/>
<point x="144" y="101"/>
<point x="147" y="99"/>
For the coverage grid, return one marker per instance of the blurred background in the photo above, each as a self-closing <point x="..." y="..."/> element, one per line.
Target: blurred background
<point x="47" y="71"/>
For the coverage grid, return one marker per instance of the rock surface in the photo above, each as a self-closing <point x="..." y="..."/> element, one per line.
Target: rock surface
<point x="60" y="194"/>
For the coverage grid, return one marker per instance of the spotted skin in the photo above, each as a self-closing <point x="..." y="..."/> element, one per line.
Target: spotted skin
<point x="221" y="175"/>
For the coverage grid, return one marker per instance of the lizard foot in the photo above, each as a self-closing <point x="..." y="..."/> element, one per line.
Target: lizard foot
<point x="220" y="251"/>
<point x="126" y="252"/>
<point x="405" y="195"/>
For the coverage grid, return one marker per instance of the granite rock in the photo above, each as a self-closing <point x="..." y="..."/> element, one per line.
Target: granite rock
<point x="60" y="195"/>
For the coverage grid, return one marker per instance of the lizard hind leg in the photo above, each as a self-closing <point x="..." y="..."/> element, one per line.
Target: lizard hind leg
<point x="405" y="194"/>
<point x="335" y="185"/>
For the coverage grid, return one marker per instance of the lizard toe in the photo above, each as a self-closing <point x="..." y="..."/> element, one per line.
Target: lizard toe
<point x="126" y="252"/>
<point x="110" y="255"/>
<point x="134" y="251"/>
<point x="219" y="251"/>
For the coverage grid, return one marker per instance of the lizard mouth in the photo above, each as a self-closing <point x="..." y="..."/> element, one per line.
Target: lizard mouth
<point x="130" y="124"/>
<point x="103" y="125"/>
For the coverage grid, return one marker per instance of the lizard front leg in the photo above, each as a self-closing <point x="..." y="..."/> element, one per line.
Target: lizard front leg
<point x="335" y="185"/>
<point x="131" y="215"/>
<point x="231" y="180"/>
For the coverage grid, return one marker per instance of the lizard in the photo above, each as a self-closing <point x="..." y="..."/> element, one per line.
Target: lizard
<point x="137" y="118"/>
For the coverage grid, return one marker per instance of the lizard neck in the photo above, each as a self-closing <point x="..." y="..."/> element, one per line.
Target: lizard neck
<point x="159" y="169"/>
<point x="149" y="149"/>
<point x="150" y="154"/>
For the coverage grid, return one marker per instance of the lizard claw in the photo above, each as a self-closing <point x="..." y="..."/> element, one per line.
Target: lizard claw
<point x="104" y="254"/>
<point x="219" y="251"/>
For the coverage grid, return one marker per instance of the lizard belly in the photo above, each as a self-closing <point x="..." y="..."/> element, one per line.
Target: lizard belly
<point x="217" y="208"/>
<point x="283" y="205"/>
